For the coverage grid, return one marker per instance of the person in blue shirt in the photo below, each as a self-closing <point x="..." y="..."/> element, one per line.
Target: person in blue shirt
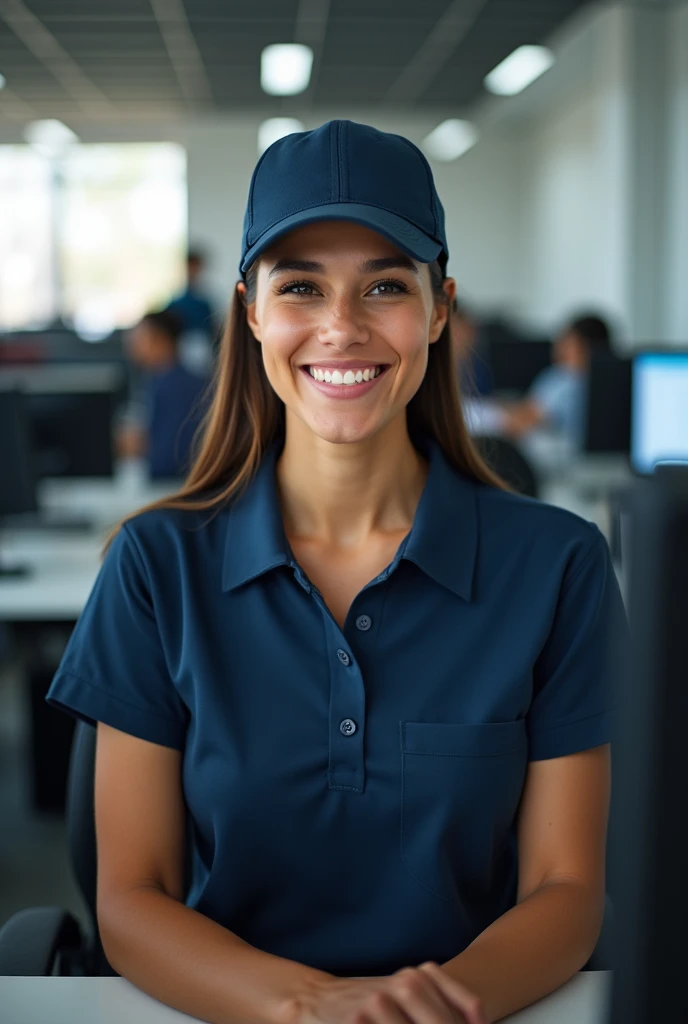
<point x="363" y="685"/>
<point x="173" y="399"/>
<point x="192" y="306"/>
<point x="557" y="397"/>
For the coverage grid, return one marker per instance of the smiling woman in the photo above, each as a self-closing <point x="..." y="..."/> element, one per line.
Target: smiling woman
<point x="374" y="682"/>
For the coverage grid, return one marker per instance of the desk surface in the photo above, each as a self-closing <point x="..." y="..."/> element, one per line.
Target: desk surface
<point x="113" y="1000"/>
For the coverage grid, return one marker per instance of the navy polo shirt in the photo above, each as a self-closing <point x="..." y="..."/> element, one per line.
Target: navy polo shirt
<point x="353" y="793"/>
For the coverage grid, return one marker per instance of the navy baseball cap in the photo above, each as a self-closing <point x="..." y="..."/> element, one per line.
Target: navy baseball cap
<point x="345" y="171"/>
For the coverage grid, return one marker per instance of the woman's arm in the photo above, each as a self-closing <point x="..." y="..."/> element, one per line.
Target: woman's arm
<point x="168" y="950"/>
<point x="552" y="931"/>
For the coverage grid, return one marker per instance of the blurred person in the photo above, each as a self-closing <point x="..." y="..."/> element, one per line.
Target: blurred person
<point x="342" y="608"/>
<point x="199" y="336"/>
<point x="556" y="398"/>
<point x="193" y="305"/>
<point x="172" y="398"/>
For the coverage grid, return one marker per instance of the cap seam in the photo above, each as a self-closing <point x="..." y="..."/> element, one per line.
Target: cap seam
<point x="334" y="166"/>
<point x="428" y="176"/>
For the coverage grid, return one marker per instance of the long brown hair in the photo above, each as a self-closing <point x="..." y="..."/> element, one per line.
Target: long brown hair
<point x="245" y="415"/>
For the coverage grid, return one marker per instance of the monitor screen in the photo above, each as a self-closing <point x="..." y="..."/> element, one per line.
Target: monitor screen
<point x="659" y="425"/>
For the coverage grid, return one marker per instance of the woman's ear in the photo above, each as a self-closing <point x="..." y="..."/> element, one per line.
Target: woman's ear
<point x="442" y="309"/>
<point x="250" y="310"/>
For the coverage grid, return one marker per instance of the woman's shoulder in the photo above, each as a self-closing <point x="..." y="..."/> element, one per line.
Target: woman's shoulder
<point x="519" y="519"/>
<point x="162" y="529"/>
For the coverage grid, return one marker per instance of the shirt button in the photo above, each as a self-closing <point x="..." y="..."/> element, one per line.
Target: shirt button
<point x="343" y="657"/>
<point x="364" y="622"/>
<point x="347" y="727"/>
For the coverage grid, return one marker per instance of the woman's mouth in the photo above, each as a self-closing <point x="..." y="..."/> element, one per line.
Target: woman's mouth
<point x="345" y="382"/>
<point x="346" y="378"/>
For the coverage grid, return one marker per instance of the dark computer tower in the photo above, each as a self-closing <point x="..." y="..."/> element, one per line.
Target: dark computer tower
<point x="649" y="826"/>
<point x="607" y="423"/>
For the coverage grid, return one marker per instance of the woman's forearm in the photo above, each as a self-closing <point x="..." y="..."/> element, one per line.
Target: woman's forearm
<point x="195" y="965"/>
<point x="531" y="950"/>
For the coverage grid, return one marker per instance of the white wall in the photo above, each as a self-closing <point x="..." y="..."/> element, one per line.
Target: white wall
<point x="569" y="132"/>
<point x="677" y="191"/>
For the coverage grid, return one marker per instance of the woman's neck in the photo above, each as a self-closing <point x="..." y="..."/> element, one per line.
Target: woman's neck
<point x="342" y="494"/>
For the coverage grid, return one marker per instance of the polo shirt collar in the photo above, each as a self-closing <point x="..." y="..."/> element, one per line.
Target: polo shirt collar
<point x="443" y="541"/>
<point x="256" y="541"/>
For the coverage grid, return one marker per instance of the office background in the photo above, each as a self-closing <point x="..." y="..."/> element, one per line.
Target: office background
<point x="574" y="195"/>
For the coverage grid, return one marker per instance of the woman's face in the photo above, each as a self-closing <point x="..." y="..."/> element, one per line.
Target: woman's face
<point x="344" y="319"/>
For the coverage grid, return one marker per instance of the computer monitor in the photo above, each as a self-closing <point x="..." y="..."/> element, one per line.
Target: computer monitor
<point x="72" y="433"/>
<point x="659" y="421"/>
<point x="17" y="482"/>
<point x="649" y="825"/>
<point x="71" y="409"/>
<point x="607" y="423"/>
<point x="515" y="363"/>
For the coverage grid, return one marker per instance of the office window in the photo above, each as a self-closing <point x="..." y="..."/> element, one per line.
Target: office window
<point x="101" y="233"/>
<point x="27" y="297"/>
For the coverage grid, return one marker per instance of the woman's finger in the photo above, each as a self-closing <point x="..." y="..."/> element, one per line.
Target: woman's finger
<point x="381" y="1008"/>
<point x="422" y="999"/>
<point x="456" y="993"/>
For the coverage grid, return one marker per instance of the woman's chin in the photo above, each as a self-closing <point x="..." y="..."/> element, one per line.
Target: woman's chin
<point x="342" y="429"/>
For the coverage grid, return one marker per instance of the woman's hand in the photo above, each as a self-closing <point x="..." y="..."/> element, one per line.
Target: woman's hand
<point x="414" y="995"/>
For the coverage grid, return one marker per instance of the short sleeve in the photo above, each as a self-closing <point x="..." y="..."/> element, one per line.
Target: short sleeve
<point x="113" y="669"/>
<point x="582" y="664"/>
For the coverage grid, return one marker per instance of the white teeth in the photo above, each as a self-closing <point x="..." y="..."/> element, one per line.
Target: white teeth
<point x="347" y="378"/>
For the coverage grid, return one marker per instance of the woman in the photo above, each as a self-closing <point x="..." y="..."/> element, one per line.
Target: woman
<point x="376" y="681"/>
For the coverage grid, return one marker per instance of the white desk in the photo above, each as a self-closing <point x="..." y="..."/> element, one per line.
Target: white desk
<point x="113" y="1000"/>
<point x="64" y="563"/>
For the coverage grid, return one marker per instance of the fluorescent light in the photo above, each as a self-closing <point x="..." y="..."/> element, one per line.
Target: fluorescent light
<point x="3" y="81"/>
<point x="519" y="69"/>
<point x="285" y="68"/>
<point x="276" y="128"/>
<point x="450" y="139"/>
<point x="49" y="137"/>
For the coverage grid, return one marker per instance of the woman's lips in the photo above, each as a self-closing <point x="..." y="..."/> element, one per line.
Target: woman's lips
<point x="344" y="390"/>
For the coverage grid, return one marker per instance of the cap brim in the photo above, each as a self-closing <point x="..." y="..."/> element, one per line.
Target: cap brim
<point x="401" y="232"/>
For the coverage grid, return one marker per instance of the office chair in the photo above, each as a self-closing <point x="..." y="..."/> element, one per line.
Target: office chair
<point x="509" y="462"/>
<point x="44" y="941"/>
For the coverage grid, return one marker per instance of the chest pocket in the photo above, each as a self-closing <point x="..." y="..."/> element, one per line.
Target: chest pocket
<point x="461" y="787"/>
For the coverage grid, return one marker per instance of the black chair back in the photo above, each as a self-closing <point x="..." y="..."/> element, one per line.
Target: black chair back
<point x="510" y="463"/>
<point x="81" y="837"/>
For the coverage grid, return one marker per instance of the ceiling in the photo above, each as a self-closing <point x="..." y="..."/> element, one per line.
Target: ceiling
<point x="123" y="58"/>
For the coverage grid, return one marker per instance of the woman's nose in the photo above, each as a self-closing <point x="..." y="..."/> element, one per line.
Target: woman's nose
<point x="344" y="325"/>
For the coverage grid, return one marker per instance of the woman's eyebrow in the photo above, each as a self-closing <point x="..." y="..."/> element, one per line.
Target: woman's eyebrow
<point x="369" y="267"/>
<point x="389" y="263"/>
<point x="302" y="266"/>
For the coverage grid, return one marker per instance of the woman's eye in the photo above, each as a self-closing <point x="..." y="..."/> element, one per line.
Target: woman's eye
<point x="389" y="288"/>
<point x="296" y="288"/>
